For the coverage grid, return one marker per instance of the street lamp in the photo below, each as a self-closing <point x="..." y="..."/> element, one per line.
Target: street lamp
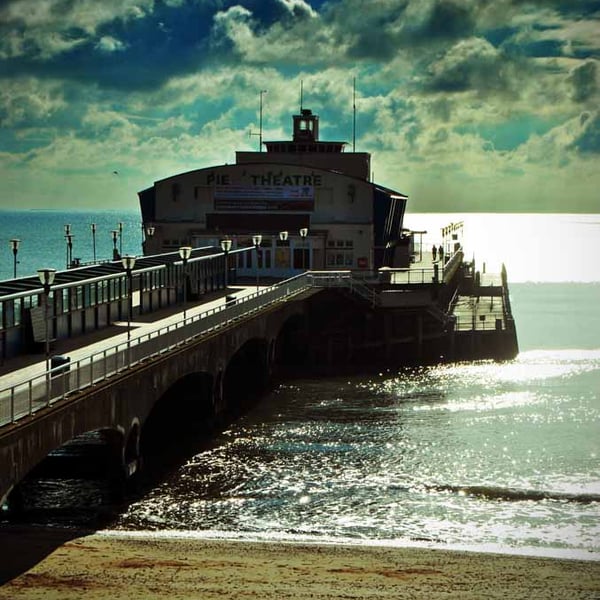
<point x="149" y="233"/>
<point x="283" y="236"/>
<point x="67" y="232"/>
<point x="128" y="263"/>
<point x="47" y="279"/>
<point x="226" y="247"/>
<point x="256" y="240"/>
<point x="185" y="252"/>
<point x="69" y="238"/>
<point x="115" y="235"/>
<point x="15" y="248"/>
<point x="93" y="228"/>
<point x="303" y="234"/>
<point x="120" y="238"/>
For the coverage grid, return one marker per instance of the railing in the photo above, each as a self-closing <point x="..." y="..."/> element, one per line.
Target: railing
<point x="476" y="324"/>
<point x="411" y="276"/>
<point x="344" y="279"/>
<point x="32" y="394"/>
<point x="42" y="390"/>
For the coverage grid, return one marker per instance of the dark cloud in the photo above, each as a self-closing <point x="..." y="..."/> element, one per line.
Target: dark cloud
<point x="169" y="41"/>
<point x="584" y="81"/>
<point x="387" y="27"/>
<point x="151" y="49"/>
<point x="470" y="64"/>
<point x="588" y="141"/>
<point x="265" y="13"/>
<point x="448" y="19"/>
<point x="441" y="109"/>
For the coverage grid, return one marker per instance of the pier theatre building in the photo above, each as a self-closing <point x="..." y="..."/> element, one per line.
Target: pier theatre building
<point x="313" y="205"/>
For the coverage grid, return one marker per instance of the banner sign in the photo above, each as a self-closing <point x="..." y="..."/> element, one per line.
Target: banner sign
<point x="264" y="197"/>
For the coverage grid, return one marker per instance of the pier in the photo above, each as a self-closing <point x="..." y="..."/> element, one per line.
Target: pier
<point x="208" y="359"/>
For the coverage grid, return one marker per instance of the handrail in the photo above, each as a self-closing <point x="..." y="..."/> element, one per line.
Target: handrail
<point x="31" y="394"/>
<point x="34" y="393"/>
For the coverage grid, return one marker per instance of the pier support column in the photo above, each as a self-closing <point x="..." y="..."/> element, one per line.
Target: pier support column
<point x="14" y="502"/>
<point x="419" y="337"/>
<point x="132" y="459"/>
<point x="387" y="336"/>
<point x="219" y="402"/>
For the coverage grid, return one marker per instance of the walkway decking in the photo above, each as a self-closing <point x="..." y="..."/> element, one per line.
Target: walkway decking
<point x="25" y="367"/>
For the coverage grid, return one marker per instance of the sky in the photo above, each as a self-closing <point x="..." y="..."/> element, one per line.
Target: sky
<point x="465" y="105"/>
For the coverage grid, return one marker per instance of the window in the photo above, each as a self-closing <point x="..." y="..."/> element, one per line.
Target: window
<point x="18" y="305"/>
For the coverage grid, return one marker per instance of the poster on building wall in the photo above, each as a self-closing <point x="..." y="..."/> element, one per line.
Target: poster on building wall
<point x="264" y="197"/>
<point x="282" y="258"/>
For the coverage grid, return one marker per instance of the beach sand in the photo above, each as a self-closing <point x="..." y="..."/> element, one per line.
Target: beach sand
<point x="55" y="564"/>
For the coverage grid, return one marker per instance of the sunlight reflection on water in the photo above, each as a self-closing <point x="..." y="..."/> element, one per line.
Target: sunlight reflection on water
<point x="444" y="454"/>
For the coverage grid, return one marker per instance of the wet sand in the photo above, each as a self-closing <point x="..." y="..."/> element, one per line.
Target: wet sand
<point x="55" y="564"/>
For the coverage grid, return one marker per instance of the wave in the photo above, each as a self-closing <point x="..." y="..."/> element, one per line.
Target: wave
<point x="563" y="355"/>
<point x="516" y="495"/>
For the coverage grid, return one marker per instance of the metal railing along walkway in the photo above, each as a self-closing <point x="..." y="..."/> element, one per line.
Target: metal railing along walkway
<point x="29" y="395"/>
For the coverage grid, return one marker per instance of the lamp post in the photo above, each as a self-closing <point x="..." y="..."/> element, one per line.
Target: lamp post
<point x="149" y="234"/>
<point x="69" y="238"/>
<point x="115" y="235"/>
<point x="283" y="236"/>
<point x="120" y="238"/>
<point x="226" y="247"/>
<point x="185" y="252"/>
<point x="256" y="240"/>
<point x="303" y="234"/>
<point x="47" y="279"/>
<point x="15" y="248"/>
<point x="128" y="263"/>
<point x="93" y="228"/>
<point x="67" y="232"/>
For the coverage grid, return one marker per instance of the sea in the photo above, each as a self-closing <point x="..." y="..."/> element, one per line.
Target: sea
<point x="483" y="456"/>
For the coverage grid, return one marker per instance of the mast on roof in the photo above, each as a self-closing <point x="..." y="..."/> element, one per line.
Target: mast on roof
<point x="354" y="115"/>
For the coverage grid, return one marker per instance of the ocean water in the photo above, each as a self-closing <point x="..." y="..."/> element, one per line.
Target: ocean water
<point x="43" y="243"/>
<point x="484" y="456"/>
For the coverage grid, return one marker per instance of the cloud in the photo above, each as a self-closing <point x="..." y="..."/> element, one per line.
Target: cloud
<point x="456" y="99"/>
<point x="584" y="79"/>
<point x="109" y="44"/>
<point x="27" y="101"/>
<point x="587" y="140"/>
<point x="298" y="8"/>
<point x="472" y="63"/>
<point x="43" y="29"/>
<point x="259" y="38"/>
